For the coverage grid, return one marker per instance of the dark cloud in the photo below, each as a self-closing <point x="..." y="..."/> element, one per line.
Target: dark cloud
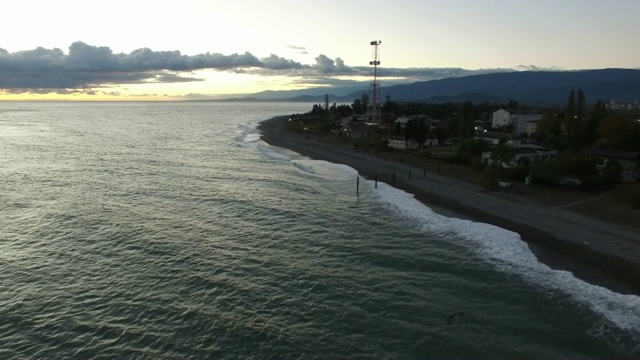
<point x="86" y="67"/>
<point x="97" y="66"/>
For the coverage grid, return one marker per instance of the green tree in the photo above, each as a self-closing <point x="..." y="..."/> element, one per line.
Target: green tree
<point x="569" y="116"/>
<point x="597" y="115"/>
<point x="421" y="131"/>
<point x="612" y="173"/>
<point x="465" y="117"/>
<point x="473" y="147"/>
<point x="619" y="132"/>
<point x="548" y="172"/>
<point x="575" y="118"/>
<point x="357" y="107"/>
<point x="503" y="153"/>
<point x="364" y="100"/>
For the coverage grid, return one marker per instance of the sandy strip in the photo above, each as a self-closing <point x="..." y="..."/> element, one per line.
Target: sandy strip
<point x="596" y="251"/>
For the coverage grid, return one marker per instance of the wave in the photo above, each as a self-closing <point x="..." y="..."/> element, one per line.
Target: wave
<point x="508" y="252"/>
<point x="326" y="169"/>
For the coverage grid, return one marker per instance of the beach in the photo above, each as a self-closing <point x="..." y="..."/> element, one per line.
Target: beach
<point x="596" y="249"/>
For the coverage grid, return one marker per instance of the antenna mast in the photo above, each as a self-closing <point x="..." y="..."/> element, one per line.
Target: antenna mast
<point x="374" y="110"/>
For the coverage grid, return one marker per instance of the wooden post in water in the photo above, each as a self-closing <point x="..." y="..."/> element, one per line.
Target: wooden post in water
<point x="358" y="185"/>
<point x="376" y="180"/>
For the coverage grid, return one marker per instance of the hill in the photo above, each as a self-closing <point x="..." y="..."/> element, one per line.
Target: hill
<point x="527" y="87"/>
<point x="530" y="87"/>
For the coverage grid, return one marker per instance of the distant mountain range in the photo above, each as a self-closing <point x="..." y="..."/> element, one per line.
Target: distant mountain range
<point x="534" y="88"/>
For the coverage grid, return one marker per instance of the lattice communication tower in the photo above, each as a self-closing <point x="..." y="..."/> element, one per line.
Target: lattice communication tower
<point x="374" y="107"/>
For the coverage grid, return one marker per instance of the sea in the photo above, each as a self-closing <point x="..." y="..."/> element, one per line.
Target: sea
<point x="171" y="230"/>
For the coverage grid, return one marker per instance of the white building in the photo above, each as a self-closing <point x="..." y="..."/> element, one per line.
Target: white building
<point x="399" y="142"/>
<point x="403" y="121"/>
<point x="517" y="117"/>
<point x="521" y="154"/>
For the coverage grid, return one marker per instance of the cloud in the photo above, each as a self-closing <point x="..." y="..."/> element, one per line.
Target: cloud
<point x="97" y="66"/>
<point x="537" y="68"/>
<point x="86" y="67"/>
<point x="300" y="49"/>
<point x="275" y="62"/>
<point x="325" y="65"/>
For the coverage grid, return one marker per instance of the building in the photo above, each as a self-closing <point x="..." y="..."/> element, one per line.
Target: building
<point x="517" y="117"/>
<point x="431" y="142"/>
<point x="531" y="127"/>
<point x="402" y="121"/>
<point x="356" y="131"/>
<point x="494" y="138"/>
<point x="400" y="143"/>
<point x="522" y="157"/>
<point x="629" y="161"/>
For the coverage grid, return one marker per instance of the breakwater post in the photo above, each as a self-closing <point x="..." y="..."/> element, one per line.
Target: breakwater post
<point x="358" y="185"/>
<point x="376" y="180"/>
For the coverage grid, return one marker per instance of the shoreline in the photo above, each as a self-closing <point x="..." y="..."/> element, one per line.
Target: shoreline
<point x="595" y="251"/>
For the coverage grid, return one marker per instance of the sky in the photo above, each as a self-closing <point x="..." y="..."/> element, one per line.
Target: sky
<point x="195" y="49"/>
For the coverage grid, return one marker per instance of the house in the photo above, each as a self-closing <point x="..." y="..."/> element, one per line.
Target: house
<point x="526" y="151"/>
<point x="522" y="156"/>
<point x="431" y="142"/>
<point x="356" y="130"/>
<point x="399" y="142"/>
<point x="402" y="121"/>
<point x="479" y="126"/>
<point x="495" y="137"/>
<point x="628" y="160"/>
<point x="517" y="117"/>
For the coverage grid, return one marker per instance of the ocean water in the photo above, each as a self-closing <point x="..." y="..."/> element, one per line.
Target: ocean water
<point x="170" y="230"/>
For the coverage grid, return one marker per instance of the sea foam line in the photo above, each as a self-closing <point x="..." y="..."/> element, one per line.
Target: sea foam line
<point x="510" y="253"/>
<point x="502" y="247"/>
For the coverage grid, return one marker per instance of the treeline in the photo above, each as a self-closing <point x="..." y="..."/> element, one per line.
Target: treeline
<point x="577" y="127"/>
<point x="573" y="127"/>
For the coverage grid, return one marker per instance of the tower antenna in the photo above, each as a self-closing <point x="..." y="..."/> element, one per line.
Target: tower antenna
<point x="374" y="110"/>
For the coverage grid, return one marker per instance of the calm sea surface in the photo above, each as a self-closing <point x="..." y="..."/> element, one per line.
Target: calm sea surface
<point x="168" y="230"/>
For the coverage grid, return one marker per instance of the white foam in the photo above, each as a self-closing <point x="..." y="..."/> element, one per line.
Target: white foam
<point x="272" y="151"/>
<point x="509" y="253"/>
<point x="325" y="169"/>
<point x="252" y="137"/>
<point x="244" y="130"/>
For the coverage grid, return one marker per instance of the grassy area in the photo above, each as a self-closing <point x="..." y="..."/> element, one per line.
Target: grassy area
<point x="627" y="194"/>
